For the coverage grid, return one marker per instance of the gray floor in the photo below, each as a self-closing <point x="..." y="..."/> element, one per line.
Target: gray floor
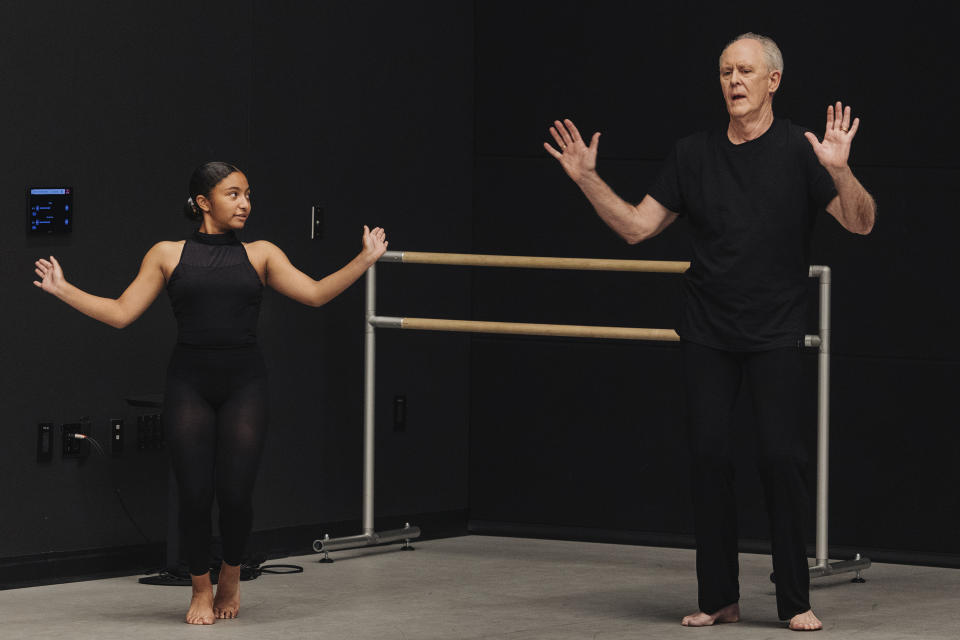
<point x="487" y="587"/>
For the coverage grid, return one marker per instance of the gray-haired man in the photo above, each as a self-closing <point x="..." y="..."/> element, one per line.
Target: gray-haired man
<point x="750" y="192"/>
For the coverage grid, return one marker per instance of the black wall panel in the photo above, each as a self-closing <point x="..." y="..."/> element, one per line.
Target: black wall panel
<point x="365" y="110"/>
<point x="645" y="73"/>
<point x="610" y="415"/>
<point x="119" y="103"/>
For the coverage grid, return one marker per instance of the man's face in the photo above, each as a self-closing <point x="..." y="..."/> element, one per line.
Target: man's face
<point x="747" y="83"/>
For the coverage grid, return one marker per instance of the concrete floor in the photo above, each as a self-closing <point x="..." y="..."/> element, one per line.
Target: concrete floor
<point x="488" y="587"/>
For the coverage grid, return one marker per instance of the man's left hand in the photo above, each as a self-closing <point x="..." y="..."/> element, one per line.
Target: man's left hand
<point x="834" y="151"/>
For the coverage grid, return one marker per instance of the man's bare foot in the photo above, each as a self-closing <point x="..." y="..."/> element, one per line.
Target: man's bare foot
<point x="730" y="613"/>
<point x="201" y="603"/>
<point x="805" y="621"/>
<point x="227" y="603"/>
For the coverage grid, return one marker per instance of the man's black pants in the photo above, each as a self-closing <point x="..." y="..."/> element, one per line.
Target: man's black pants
<point x="712" y="380"/>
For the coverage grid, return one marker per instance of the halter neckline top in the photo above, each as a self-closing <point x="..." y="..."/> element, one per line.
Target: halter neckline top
<point x="216" y="239"/>
<point x="215" y="292"/>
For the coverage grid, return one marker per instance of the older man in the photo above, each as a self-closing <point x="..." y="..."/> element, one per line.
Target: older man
<point x="750" y="192"/>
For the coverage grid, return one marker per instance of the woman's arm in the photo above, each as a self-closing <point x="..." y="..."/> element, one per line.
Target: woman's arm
<point x="293" y="283"/>
<point x="115" y="312"/>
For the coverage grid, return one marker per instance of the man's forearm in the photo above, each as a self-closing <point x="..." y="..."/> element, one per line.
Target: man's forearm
<point x="858" y="208"/>
<point x="617" y="213"/>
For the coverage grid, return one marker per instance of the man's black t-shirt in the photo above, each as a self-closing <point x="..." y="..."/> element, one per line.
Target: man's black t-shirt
<point x="751" y="209"/>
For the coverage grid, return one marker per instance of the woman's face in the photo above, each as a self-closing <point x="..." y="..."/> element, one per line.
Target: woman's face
<point x="228" y="204"/>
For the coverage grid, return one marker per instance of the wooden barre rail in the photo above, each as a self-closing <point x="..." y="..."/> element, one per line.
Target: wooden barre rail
<point x="534" y="262"/>
<point x="528" y="329"/>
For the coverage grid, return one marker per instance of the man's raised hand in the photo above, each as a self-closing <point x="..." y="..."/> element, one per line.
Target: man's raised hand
<point x="834" y="151"/>
<point x="576" y="158"/>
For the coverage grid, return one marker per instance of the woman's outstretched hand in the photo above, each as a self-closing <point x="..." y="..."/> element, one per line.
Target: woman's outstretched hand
<point x="51" y="275"/>
<point x="374" y="243"/>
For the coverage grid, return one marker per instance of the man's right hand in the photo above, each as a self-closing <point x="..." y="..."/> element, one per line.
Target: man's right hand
<point x="576" y="158"/>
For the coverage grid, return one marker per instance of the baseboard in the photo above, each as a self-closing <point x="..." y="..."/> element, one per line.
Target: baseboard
<point x="92" y="564"/>
<point x="73" y="566"/>
<point x="686" y="541"/>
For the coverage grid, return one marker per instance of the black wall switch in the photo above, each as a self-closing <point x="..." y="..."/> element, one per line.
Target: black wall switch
<point x="44" y="442"/>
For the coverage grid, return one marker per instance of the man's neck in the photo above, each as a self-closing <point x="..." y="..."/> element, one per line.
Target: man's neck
<point x="750" y="126"/>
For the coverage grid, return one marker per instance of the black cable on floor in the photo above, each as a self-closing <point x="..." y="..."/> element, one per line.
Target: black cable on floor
<point x="254" y="567"/>
<point x="286" y="568"/>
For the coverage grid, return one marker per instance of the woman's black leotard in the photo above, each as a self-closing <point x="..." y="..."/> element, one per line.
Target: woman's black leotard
<point x="215" y="403"/>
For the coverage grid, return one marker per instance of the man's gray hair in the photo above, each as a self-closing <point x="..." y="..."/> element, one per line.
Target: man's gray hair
<point x="771" y="52"/>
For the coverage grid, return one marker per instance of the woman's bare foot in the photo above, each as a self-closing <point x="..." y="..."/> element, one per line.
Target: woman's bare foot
<point x="805" y="621"/>
<point x="730" y="613"/>
<point x="201" y="603"/>
<point x="227" y="602"/>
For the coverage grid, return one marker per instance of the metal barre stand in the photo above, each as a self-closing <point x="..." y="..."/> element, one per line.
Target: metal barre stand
<point x="369" y="537"/>
<point x="824" y="567"/>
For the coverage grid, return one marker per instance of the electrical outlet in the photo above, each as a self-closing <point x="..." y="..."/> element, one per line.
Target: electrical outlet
<point x="45" y="442"/>
<point x="72" y="447"/>
<point x="116" y="436"/>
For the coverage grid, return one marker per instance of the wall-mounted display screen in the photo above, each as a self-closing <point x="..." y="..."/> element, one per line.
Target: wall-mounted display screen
<point x="50" y="210"/>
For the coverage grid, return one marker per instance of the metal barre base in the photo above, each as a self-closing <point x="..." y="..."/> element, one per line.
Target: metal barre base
<point x="824" y="569"/>
<point x="406" y="534"/>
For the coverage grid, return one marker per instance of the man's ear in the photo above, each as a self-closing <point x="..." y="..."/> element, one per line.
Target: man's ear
<point x="773" y="82"/>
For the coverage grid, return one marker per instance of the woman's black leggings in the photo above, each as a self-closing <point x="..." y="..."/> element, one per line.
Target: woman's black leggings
<point x="215" y="418"/>
<point x="712" y="379"/>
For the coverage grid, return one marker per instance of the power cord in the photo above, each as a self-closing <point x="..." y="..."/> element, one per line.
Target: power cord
<point x="83" y="436"/>
<point x="286" y="568"/>
<point x="123" y="506"/>
<point x="252" y="569"/>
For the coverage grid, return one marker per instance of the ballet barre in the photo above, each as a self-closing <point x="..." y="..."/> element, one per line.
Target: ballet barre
<point x="821" y="341"/>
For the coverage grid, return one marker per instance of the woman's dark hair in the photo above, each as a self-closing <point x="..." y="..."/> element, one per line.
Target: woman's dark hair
<point x="202" y="182"/>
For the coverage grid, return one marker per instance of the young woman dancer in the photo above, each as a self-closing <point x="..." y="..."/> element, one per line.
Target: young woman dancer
<point x="215" y="401"/>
